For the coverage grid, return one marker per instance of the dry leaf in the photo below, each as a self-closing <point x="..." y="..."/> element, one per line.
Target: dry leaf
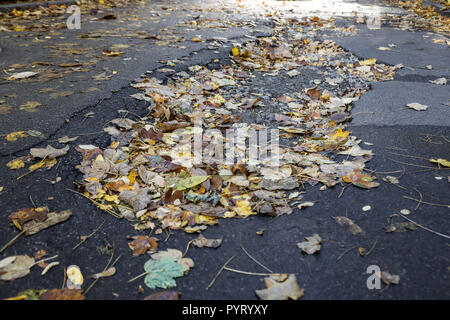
<point x="280" y="287"/>
<point x="201" y="242"/>
<point x="417" y="106"/>
<point x="348" y="224"/>
<point x="311" y="245"/>
<point x="62" y="294"/>
<point x="15" y="267"/>
<point x="48" y="152"/>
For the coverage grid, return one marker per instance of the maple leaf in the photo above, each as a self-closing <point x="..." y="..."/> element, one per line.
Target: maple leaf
<point x="280" y="287"/>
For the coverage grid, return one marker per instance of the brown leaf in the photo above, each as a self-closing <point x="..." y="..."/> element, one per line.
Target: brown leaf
<point x="348" y="224"/>
<point x="142" y="244"/>
<point x="62" y="294"/>
<point x="172" y="125"/>
<point x="250" y="103"/>
<point x="20" y="217"/>
<point x="164" y="295"/>
<point x="53" y="218"/>
<point x="241" y="167"/>
<point x="151" y="134"/>
<point x="170" y="196"/>
<point x="314" y="93"/>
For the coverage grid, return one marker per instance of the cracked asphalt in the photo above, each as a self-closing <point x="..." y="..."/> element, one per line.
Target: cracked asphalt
<point x="421" y="258"/>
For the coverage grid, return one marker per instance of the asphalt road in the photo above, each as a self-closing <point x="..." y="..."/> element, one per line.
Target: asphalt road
<point x="402" y="139"/>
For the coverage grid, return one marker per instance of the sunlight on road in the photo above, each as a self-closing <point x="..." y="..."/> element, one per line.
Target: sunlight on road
<point x="324" y="8"/>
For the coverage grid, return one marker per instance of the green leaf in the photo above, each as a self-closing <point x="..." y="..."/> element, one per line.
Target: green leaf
<point x="161" y="272"/>
<point x="190" y="182"/>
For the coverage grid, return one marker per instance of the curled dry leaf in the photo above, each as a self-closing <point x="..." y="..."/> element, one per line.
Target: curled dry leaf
<point x="280" y="287"/>
<point x="107" y="273"/>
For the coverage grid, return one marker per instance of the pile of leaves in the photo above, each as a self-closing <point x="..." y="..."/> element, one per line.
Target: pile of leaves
<point x="148" y="174"/>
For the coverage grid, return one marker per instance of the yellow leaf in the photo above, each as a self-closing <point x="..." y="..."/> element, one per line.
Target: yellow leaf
<point x="13" y="136"/>
<point x="339" y="134"/>
<point x="15" y="164"/>
<point x="75" y="276"/>
<point x="111" y="198"/>
<point x="235" y="51"/>
<point x="442" y="162"/>
<point x="368" y="62"/>
<point x="132" y="177"/>
<point x="243" y="208"/>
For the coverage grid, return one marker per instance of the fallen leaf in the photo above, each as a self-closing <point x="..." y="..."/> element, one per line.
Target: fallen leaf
<point x="15" y="164"/>
<point x="15" y="267"/>
<point x="360" y="180"/>
<point x="34" y="220"/>
<point x="201" y="242"/>
<point x="417" y="106"/>
<point x="62" y="294"/>
<point x="348" y="224"/>
<point x="22" y="75"/>
<point x="48" y="152"/>
<point x="441" y="81"/>
<point x="13" y="136"/>
<point x="75" y="278"/>
<point x="280" y="287"/>
<point x="107" y="273"/>
<point x="162" y="271"/>
<point x="142" y="244"/>
<point x="164" y="295"/>
<point x="311" y="245"/>
<point x="389" y="278"/>
<point x="442" y="162"/>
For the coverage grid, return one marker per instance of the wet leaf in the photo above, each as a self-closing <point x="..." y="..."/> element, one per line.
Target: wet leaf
<point x="15" y="164"/>
<point x="143" y="244"/>
<point x="280" y="287"/>
<point x="360" y="180"/>
<point x="13" y="136"/>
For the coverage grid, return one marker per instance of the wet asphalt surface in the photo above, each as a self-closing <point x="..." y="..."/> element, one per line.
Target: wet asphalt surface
<point x="421" y="258"/>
